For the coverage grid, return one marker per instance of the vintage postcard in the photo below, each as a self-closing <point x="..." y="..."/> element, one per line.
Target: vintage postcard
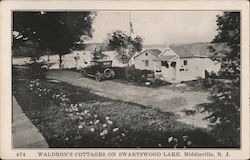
<point x="124" y="79"/>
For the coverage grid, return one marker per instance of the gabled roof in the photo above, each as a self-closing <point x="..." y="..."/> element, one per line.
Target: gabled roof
<point x="164" y="58"/>
<point x="155" y="52"/>
<point x="198" y="49"/>
<point x="181" y="51"/>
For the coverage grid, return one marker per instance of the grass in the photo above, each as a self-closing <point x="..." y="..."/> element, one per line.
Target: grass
<point x="70" y="116"/>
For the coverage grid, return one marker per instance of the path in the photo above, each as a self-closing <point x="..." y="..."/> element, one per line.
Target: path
<point x="163" y="98"/>
<point x="24" y="133"/>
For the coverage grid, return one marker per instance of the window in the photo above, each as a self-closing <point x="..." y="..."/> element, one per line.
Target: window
<point x="146" y="54"/>
<point x="146" y="63"/>
<point x="185" y="62"/>
<point x="173" y="64"/>
<point x="164" y="63"/>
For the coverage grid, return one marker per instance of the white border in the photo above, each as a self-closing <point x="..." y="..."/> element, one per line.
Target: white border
<point x="5" y="69"/>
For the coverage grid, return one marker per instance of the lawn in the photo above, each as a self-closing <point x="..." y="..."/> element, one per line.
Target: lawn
<point x="70" y="116"/>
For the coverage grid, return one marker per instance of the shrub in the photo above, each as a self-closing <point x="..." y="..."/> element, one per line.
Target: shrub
<point x="37" y="69"/>
<point x="136" y="75"/>
<point x="131" y="74"/>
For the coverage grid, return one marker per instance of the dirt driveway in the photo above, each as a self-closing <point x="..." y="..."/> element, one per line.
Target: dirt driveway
<point x="163" y="98"/>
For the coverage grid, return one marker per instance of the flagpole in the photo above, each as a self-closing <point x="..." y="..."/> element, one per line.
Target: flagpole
<point x="129" y="38"/>
<point x="130" y="24"/>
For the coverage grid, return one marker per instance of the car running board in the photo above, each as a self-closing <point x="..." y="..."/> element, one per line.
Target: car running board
<point x="90" y="75"/>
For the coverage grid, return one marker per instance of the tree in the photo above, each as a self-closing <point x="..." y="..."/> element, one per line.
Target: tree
<point x="57" y="32"/>
<point x="225" y="87"/>
<point x="126" y="46"/>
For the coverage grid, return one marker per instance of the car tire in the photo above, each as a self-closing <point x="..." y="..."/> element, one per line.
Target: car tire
<point x="108" y="73"/>
<point x="98" y="76"/>
<point x="83" y="72"/>
<point x="113" y="74"/>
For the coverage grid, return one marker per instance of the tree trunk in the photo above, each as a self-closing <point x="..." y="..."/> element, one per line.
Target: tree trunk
<point x="48" y="62"/>
<point x="60" y="61"/>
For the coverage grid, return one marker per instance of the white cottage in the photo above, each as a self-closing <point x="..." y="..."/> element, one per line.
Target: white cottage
<point x="144" y="59"/>
<point x="186" y="62"/>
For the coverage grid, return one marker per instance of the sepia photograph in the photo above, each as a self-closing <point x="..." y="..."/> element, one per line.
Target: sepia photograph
<point x="126" y="79"/>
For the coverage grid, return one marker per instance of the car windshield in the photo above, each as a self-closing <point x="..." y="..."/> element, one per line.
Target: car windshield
<point x="106" y="63"/>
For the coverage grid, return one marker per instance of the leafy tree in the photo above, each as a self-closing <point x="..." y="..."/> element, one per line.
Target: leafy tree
<point x="57" y="32"/>
<point x="126" y="46"/>
<point x="225" y="87"/>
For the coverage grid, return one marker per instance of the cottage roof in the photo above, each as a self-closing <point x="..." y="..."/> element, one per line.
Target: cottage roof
<point x="164" y="58"/>
<point x="155" y="52"/>
<point x="198" y="49"/>
<point x="181" y="51"/>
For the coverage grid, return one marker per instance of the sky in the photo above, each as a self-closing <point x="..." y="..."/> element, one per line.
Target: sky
<point x="158" y="27"/>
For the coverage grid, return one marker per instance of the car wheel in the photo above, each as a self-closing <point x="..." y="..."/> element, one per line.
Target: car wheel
<point x="113" y="73"/>
<point x="98" y="76"/>
<point x="108" y="73"/>
<point x="83" y="72"/>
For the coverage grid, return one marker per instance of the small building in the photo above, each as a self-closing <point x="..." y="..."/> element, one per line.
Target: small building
<point x="187" y="62"/>
<point x="144" y="59"/>
<point x="112" y="55"/>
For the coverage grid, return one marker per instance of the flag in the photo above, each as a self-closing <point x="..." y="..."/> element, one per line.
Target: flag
<point x="131" y="25"/>
<point x="131" y="28"/>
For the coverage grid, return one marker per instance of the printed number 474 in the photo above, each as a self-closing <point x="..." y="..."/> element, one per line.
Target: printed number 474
<point x="20" y="154"/>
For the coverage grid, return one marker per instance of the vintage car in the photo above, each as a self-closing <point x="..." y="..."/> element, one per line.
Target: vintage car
<point x="99" y="69"/>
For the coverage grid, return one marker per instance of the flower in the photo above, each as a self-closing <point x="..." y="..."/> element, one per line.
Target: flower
<point x="110" y="122"/>
<point x="107" y="118"/>
<point x="101" y="134"/>
<point x="90" y="122"/>
<point x="97" y="121"/>
<point x="185" y="138"/>
<point x="95" y="115"/>
<point x="159" y="145"/>
<point x="189" y="143"/>
<point x="104" y="125"/>
<point x="170" y="139"/>
<point x="80" y="117"/>
<point x="105" y="131"/>
<point x="66" y="138"/>
<point x="92" y="129"/>
<point x="115" y="129"/>
<point x="175" y="140"/>
<point x="80" y="126"/>
<point x="86" y="111"/>
<point x="123" y="134"/>
<point x="80" y="104"/>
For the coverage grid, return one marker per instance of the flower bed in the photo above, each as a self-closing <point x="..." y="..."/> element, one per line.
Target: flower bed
<point x="68" y="116"/>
